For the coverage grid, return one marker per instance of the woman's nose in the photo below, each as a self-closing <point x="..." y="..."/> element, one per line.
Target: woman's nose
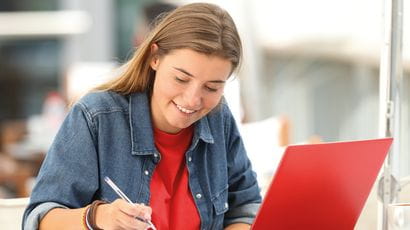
<point x="193" y="97"/>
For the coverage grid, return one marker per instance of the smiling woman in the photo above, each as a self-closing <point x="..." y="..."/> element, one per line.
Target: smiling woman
<point x="162" y="132"/>
<point x="187" y="86"/>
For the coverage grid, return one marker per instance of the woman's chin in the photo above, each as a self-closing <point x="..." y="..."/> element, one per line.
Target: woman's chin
<point x="181" y="125"/>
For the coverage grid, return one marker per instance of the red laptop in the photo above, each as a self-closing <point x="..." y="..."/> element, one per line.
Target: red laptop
<point x="322" y="186"/>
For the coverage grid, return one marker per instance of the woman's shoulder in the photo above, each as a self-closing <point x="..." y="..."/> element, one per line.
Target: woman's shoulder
<point x="103" y="101"/>
<point x="220" y="117"/>
<point x="222" y="111"/>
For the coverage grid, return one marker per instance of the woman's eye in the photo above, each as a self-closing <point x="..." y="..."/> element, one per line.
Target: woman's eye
<point x="210" y="89"/>
<point x="180" y="80"/>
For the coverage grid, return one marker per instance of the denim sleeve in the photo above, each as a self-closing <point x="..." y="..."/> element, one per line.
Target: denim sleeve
<point x="69" y="173"/>
<point x="243" y="194"/>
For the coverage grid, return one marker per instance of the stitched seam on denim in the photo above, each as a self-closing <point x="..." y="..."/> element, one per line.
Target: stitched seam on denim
<point x="247" y="210"/>
<point x="227" y="127"/>
<point x="142" y="179"/>
<point x="243" y="213"/>
<point x="89" y="118"/>
<point x="219" y="193"/>
<point x="130" y="124"/>
<point x="108" y="111"/>
<point x="145" y="152"/>
<point x="116" y="101"/>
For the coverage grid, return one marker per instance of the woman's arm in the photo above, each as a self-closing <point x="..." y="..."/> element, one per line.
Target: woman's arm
<point x="69" y="174"/>
<point x="238" y="226"/>
<point x="243" y="190"/>
<point x="60" y="218"/>
<point x="117" y="215"/>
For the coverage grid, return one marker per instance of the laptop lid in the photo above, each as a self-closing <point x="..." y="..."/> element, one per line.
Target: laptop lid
<point x="322" y="186"/>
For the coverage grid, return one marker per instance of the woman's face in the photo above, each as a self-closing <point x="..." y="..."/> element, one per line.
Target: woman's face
<point x="187" y="86"/>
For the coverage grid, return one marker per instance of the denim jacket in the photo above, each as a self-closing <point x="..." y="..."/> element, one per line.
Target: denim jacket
<point x="107" y="134"/>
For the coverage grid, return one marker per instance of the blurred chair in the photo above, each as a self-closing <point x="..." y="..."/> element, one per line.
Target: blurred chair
<point x="19" y="163"/>
<point x="16" y="175"/>
<point x="11" y="212"/>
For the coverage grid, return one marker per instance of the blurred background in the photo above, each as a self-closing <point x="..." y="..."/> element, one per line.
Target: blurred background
<point x="310" y="73"/>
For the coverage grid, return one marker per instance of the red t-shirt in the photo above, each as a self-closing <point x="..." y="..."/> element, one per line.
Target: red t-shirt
<point x="172" y="204"/>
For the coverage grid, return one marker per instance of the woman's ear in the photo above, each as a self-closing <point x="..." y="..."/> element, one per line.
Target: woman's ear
<point x="154" y="57"/>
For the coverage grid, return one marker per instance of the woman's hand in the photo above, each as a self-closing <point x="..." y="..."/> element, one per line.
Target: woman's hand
<point x="122" y="215"/>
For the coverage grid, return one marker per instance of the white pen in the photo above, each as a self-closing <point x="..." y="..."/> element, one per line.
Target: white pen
<point x="123" y="196"/>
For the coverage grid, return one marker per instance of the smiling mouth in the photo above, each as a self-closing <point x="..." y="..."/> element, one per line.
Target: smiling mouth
<point x="184" y="110"/>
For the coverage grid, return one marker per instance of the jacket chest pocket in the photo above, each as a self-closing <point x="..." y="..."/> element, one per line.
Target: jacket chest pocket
<point x="221" y="206"/>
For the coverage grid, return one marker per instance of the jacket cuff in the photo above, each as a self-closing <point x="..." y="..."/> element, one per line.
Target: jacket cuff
<point x="243" y="214"/>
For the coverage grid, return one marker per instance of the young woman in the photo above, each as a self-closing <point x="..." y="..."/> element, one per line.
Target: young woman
<point x="162" y="132"/>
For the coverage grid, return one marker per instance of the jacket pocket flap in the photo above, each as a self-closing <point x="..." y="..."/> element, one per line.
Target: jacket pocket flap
<point x="220" y="201"/>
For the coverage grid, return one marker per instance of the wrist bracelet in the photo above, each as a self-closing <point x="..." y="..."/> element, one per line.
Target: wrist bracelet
<point x="91" y="214"/>
<point x="84" y="217"/>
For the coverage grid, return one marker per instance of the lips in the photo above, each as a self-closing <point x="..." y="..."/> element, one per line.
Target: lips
<point x="185" y="110"/>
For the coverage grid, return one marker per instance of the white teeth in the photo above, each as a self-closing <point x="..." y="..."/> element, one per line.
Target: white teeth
<point x="182" y="109"/>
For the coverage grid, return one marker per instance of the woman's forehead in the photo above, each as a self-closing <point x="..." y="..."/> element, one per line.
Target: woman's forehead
<point x="195" y="64"/>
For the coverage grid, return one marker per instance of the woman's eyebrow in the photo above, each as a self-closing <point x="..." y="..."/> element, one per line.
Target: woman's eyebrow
<point x="184" y="71"/>
<point x="191" y="75"/>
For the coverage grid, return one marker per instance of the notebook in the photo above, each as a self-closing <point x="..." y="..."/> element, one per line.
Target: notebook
<point x="322" y="186"/>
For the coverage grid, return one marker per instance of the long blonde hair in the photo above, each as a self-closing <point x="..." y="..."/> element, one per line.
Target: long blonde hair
<point x="201" y="27"/>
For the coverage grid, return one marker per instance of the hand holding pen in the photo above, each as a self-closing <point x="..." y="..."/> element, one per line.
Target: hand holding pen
<point x="124" y="214"/>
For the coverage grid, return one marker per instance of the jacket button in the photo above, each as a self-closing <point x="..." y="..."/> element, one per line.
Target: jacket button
<point x="146" y="172"/>
<point x="198" y="196"/>
<point x="155" y="155"/>
<point x="189" y="159"/>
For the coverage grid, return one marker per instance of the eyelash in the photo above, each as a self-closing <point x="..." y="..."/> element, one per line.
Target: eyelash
<point x="180" y="80"/>
<point x="185" y="81"/>
<point x="210" y="89"/>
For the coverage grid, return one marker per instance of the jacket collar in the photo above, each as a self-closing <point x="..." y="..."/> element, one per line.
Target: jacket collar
<point x="141" y="126"/>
